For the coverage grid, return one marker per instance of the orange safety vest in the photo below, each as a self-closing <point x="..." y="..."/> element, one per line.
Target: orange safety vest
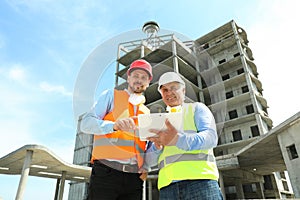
<point x="120" y="144"/>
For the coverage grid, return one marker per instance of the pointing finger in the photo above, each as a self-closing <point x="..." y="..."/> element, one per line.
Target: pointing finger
<point x="154" y="131"/>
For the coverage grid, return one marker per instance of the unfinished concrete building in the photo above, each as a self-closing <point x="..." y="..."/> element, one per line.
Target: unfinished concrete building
<point x="219" y="71"/>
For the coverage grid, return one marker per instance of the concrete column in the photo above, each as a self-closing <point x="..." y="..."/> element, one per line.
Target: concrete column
<point x="201" y="96"/>
<point x="57" y="189"/>
<point x="239" y="190"/>
<point x="24" y="175"/>
<point x="62" y="185"/>
<point x="221" y="182"/>
<point x="174" y="52"/>
<point x="142" y="51"/>
<point x="275" y="185"/>
<point x="260" y="190"/>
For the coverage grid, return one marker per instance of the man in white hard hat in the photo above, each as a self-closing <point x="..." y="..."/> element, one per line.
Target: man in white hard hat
<point x="187" y="166"/>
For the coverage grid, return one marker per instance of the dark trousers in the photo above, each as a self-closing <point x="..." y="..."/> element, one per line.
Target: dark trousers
<point x="110" y="184"/>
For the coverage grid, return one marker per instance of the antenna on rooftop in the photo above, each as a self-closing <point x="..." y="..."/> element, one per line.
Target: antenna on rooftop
<point x="151" y="28"/>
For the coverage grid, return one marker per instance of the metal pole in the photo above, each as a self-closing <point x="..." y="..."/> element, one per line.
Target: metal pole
<point x="150" y="189"/>
<point x="144" y="191"/>
<point x="24" y="175"/>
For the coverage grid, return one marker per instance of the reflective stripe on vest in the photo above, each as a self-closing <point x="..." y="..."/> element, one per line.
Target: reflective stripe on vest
<point x="186" y="157"/>
<point x="112" y="141"/>
<point x="120" y="144"/>
<point x="117" y="142"/>
<point x="176" y="164"/>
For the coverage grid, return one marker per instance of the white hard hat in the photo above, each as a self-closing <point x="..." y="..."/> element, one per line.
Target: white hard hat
<point x="169" y="77"/>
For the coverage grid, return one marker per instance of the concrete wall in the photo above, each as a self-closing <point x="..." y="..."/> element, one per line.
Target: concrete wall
<point x="286" y="138"/>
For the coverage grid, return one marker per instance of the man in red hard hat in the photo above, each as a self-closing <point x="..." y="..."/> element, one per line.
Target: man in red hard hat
<point x="140" y="64"/>
<point x="117" y="155"/>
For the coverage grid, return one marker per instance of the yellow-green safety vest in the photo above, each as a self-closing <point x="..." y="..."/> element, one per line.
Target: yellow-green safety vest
<point x="176" y="164"/>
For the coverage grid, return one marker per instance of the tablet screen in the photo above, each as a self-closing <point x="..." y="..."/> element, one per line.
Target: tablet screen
<point x="157" y="121"/>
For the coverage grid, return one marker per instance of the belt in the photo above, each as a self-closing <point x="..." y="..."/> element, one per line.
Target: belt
<point x="118" y="166"/>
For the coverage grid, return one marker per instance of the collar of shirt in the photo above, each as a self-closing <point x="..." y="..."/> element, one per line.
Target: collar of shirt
<point x="174" y="108"/>
<point x="136" y="99"/>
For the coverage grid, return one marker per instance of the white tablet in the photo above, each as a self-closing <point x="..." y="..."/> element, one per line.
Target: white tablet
<point x="157" y="121"/>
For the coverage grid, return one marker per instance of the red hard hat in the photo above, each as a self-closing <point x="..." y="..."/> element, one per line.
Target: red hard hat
<point x="140" y="64"/>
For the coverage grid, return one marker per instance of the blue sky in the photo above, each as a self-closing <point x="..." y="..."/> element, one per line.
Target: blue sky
<point x="44" y="43"/>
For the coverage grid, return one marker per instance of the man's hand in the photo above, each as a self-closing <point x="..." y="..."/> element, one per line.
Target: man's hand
<point x="125" y="124"/>
<point x="143" y="173"/>
<point x="166" y="137"/>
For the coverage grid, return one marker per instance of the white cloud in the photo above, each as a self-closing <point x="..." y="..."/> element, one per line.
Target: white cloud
<point x="54" y="88"/>
<point x="21" y="108"/>
<point x="17" y="73"/>
<point x="16" y="96"/>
